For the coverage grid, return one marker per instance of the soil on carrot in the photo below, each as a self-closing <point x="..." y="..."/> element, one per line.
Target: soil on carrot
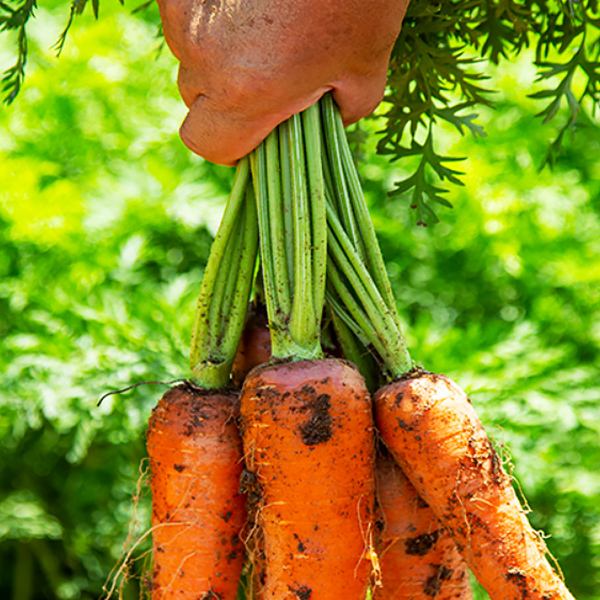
<point x="433" y="585"/>
<point x="317" y="429"/>
<point x="199" y="414"/>
<point x="414" y="373"/>
<point x="301" y="545"/>
<point x="249" y="485"/>
<point x="422" y="544"/>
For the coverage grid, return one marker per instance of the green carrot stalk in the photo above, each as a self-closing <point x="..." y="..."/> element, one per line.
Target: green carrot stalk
<point x="226" y="287"/>
<point x="359" y="212"/>
<point x="303" y="307"/>
<point x="339" y="185"/>
<point x="278" y="252"/>
<point x="287" y="195"/>
<point x="361" y="293"/>
<point x="354" y="349"/>
<point x="311" y="120"/>
<point x="290" y="194"/>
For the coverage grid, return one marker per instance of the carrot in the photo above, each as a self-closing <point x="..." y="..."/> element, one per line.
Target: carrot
<point x="193" y="444"/>
<point x="308" y="437"/>
<point x="255" y="345"/>
<point x="431" y="428"/>
<point x="418" y="559"/>
<point x="195" y="456"/>
<point x="306" y="421"/>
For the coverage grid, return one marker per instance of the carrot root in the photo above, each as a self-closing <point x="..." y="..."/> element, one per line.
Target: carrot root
<point x="195" y="456"/>
<point x="431" y="428"/>
<point x="419" y="560"/>
<point x="308" y="438"/>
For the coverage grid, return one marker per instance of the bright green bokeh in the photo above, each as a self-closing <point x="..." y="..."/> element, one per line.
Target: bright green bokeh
<point x="105" y="227"/>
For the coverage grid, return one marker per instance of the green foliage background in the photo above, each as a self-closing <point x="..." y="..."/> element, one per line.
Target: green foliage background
<point x="105" y="225"/>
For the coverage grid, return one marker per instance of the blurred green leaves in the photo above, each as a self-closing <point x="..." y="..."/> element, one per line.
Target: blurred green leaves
<point x="22" y="517"/>
<point x="105" y="226"/>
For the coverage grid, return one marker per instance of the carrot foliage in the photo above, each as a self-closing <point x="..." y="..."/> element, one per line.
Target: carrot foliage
<point x="437" y="74"/>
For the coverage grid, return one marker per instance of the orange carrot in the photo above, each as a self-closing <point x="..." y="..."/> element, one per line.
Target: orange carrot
<point x="197" y="512"/>
<point x="308" y="437"/>
<point x="433" y="432"/>
<point x="255" y="345"/>
<point x="418" y="559"/>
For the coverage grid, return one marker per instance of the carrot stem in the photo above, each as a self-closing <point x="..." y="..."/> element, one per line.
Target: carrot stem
<point x="287" y="197"/>
<point x="246" y="265"/>
<point x="303" y="302"/>
<point x="289" y="184"/>
<point x="258" y="160"/>
<point x="226" y="286"/>
<point x="338" y="179"/>
<point x="363" y="219"/>
<point x="277" y="223"/>
<point x="366" y="313"/>
<point x="351" y="256"/>
<point x="312" y="135"/>
<point x="354" y="350"/>
<point x="354" y="248"/>
<point x="224" y="283"/>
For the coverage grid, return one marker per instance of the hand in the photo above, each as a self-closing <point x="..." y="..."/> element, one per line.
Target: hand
<point x="248" y="65"/>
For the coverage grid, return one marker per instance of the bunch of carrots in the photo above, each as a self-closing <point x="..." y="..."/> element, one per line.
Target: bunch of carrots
<point x="309" y="459"/>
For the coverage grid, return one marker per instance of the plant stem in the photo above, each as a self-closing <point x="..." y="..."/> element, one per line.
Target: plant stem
<point x="226" y="287"/>
<point x="312" y="135"/>
<point x="245" y="263"/>
<point x="367" y="234"/>
<point x="365" y="298"/>
<point x="381" y="328"/>
<point x="354" y="350"/>
<point x="221" y="298"/>
<point x="277" y="224"/>
<point x="334" y="152"/>
<point x="287" y="196"/>
<point x="303" y="302"/>
<point x="289" y="186"/>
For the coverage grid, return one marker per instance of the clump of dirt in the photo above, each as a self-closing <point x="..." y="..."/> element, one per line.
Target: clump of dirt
<point x="422" y="544"/>
<point x="434" y="584"/>
<point x="317" y="428"/>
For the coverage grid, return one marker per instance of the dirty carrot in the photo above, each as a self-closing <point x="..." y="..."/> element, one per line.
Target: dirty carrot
<point x="194" y="447"/>
<point x="308" y="435"/>
<point x="306" y="421"/>
<point x="418" y="559"/>
<point x="195" y="456"/>
<point x="431" y="428"/>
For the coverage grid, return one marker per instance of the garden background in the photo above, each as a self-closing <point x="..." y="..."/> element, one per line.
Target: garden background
<point x="106" y="222"/>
